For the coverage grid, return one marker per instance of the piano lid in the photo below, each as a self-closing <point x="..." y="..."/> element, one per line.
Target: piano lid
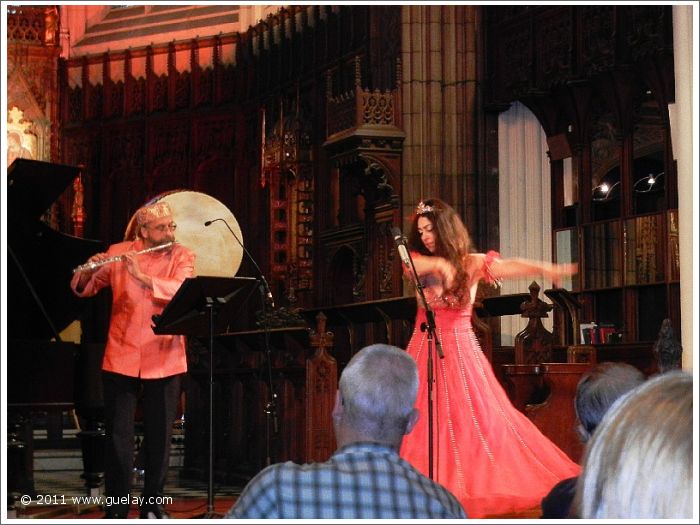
<point x="40" y="302"/>
<point x="33" y="186"/>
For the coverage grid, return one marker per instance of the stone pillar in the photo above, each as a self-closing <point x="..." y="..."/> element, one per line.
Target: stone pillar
<point x="681" y="113"/>
<point x="439" y="91"/>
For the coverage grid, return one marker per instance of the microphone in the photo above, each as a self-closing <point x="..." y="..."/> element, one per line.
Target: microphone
<point x="400" y="241"/>
<point x="268" y="293"/>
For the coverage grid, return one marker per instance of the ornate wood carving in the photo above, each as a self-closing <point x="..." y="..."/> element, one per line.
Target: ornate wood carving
<point x="213" y="163"/>
<point x="514" y="56"/>
<point x="32" y="74"/>
<point x="385" y="44"/>
<point x="122" y="187"/>
<point x="280" y="61"/>
<point x="553" y="49"/>
<point x="287" y="169"/>
<point x="533" y="345"/>
<point x="321" y="384"/>
<point x="168" y="156"/>
<point x="646" y="30"/>
<point x="596" y="38"/>
<point x="537" y="48"/>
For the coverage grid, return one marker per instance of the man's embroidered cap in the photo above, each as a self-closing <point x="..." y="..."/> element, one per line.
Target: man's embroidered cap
<point x="151" y="212"/>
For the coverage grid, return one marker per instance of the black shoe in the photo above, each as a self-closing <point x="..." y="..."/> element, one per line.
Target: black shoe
<point x="153" y="512"/>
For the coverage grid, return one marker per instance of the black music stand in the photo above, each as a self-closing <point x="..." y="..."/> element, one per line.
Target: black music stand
<point x="205" y="306"/>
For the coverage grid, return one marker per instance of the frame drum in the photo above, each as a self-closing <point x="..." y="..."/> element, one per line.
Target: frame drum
<point x="218" y="253"/>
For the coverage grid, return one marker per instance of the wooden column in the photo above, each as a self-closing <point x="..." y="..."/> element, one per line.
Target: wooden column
<point x="321" y="386"/>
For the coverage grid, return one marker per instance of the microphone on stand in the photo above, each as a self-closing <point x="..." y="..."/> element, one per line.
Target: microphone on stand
<point x="271" y="406"/>
<point x="268" y="293"/>
<point x="400" y="241"/>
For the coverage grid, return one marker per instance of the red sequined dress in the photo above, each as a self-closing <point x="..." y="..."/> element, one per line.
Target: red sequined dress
<point x="486" y="452"/>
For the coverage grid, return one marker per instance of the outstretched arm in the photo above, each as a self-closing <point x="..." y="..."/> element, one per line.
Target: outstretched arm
<point x="517" y="267"/>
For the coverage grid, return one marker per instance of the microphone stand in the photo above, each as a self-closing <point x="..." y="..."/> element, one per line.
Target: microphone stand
<point x="210" y="478"/>
<point x="266" y="296"/>
<point x="429" y="325"/>
<point x="271" y="405"/>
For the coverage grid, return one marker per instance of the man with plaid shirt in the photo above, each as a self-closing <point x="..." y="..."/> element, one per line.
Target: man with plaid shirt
<point x="365" y="478"/>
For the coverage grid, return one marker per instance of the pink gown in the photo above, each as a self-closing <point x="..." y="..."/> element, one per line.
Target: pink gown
<point x="486" y="452"/>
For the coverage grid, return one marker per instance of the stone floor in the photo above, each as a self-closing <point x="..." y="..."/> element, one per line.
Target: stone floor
<point x="60" y="491"/>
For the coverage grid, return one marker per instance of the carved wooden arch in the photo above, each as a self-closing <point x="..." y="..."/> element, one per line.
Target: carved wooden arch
<point x="379" y="180"/>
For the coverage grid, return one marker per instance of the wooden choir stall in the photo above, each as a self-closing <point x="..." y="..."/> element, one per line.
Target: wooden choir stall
<point x="253" y="429"/>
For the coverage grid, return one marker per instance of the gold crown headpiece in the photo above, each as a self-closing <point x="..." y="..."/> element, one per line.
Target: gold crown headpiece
<point x="423" y="208"/>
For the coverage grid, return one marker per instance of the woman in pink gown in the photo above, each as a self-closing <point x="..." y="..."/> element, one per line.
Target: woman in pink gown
<point x="486" y="452"/>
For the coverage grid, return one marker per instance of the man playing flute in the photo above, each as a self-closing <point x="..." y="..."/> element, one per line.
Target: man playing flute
<point x="135" y="358"/>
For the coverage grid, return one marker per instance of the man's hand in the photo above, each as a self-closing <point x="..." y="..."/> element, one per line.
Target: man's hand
<point x="87" y="273"/>
<point x="132" y="265"/>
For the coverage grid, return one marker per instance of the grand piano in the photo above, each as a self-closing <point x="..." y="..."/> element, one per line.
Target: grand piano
<point x="45" y="375"/>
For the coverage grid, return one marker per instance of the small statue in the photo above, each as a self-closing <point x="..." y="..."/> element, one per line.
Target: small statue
<point x="51" y="25"/>
<point x="667" y="348"/>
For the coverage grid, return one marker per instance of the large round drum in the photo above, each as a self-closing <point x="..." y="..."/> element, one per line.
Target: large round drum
<point x="219" y="254"/>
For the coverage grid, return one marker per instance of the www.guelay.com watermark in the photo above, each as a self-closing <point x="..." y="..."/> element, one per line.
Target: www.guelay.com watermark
<point x="60" y="499"/>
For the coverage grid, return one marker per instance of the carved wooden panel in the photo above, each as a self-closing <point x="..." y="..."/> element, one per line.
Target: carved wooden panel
<point x="645" y="30"/>
<point x="167" y="156"/>
<point x="522" y="383"/>
<point x="553" y="36"/>
<point x="74" y="104"/>
<point x="536" y="48"/>
<point x="514" y="58"/>
<point x="159" y="93"/>
<point x="385" y="45"/>
<point x="114" y="103"/>
<point x="94" y="104"/>
<point x="121" y="182"/>
<point x="249" y="431"/>
<point x="32" y="87"/>
<point x="198" y="128"/>
<point x="213" y="164"/>
<point x="596" y="38"/>
<point x="556" y="417"/>
<point x="83" y="148"/>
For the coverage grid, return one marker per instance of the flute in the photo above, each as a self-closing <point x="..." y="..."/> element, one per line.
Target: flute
<point x="117" y="258"/>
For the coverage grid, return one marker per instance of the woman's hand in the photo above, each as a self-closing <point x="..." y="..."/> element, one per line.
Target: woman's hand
<point x="558" y="271"/>
<point x="448" y="272"/>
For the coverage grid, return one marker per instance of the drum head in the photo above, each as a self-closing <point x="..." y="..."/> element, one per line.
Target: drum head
<point x="218" y="252"/>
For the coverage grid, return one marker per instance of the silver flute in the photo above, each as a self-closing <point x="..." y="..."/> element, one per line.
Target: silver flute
<point x="117" y="258"/>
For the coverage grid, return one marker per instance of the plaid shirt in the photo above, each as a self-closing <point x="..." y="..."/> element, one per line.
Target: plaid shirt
<point x="361" y="480"/>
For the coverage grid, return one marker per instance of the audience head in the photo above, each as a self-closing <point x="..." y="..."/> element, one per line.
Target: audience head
<point x="376" y="396"/>
<point x="639" y="462"/>
<point x="598" y="389"/>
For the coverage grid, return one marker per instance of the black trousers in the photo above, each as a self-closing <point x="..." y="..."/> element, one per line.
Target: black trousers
<point x="160" y="399"/>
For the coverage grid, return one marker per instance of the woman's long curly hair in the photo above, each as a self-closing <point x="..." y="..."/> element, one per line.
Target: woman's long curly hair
<point x="452" y="240"/>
